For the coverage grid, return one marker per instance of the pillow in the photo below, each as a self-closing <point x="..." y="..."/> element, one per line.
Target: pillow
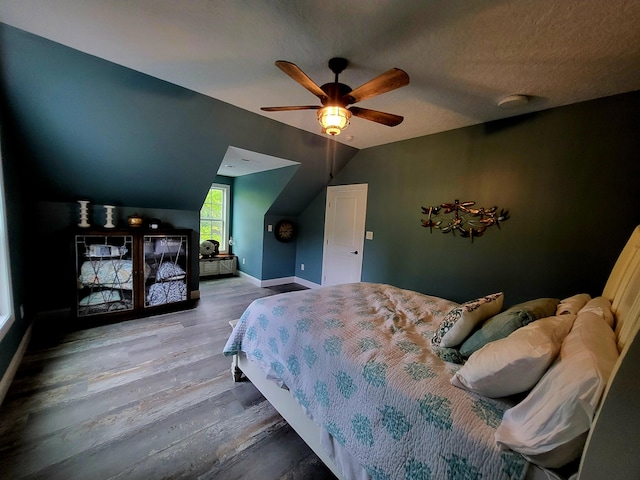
<point x="601" y="307"/>
<point x="573" y="304"/>
<point x="514" y="364"/>
<point x="549" y="426"/>
<point x="169" y="271"/>
<point x="503" y="324"/>
<point x="459" y="322"/>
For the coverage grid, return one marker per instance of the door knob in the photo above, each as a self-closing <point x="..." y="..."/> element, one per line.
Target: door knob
<point x="355" y="253"/>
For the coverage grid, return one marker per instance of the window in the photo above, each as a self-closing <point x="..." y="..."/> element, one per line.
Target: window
<point x="6" y="301"/>
<point x="214" y="216"/>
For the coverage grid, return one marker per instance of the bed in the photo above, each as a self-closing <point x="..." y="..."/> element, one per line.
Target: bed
<point x="365" y="374"/>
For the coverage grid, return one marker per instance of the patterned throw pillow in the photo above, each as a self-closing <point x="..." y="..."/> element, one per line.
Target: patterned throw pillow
<point x="460" y="321"/>
<point x="507" y="322"/>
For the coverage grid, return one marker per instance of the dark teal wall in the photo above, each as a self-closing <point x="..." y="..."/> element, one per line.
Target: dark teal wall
<point x="252" y="197"/>
<point x="310" y="240"/>
<point x="99" y="131"/>
<point x="91" y="125"/>
<point x="78" y="127"/>
<point x="570" y="178"/>
<point x="75" y="126"/>
<point x="279" y="258"/>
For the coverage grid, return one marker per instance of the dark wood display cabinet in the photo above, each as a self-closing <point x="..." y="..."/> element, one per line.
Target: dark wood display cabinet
<point x="131" y="272"/>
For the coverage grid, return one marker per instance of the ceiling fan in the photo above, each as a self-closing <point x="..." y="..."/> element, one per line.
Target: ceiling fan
<point x="333" y="115"/>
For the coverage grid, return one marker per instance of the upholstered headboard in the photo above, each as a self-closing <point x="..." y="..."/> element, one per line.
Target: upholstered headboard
<point x="611" y="448"/>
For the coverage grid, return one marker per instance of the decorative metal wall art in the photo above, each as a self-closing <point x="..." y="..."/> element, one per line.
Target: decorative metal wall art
<point x="467" y="221"/>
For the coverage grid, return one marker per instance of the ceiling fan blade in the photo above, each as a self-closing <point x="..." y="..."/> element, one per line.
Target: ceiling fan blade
<point x="299" y="76"/>
<point x="388" y="119"/>
<point x="389" y="80"/>
<point x="294" y="107"/>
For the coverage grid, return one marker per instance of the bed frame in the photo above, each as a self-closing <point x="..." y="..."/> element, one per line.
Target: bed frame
<point x="611" y="447"/>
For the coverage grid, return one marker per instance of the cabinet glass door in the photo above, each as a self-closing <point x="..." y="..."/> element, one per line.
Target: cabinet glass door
<point x="105" y="274"/>
<point x="165" y="269"/>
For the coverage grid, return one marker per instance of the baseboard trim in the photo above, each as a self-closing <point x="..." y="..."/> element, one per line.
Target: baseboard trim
<point x="306" y="283"/>
<point x="279" y="281"/>
<point x="10" y="373"/>
<point x="253" y="280"/>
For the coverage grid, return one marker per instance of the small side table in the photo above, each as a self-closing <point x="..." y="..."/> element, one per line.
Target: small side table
<point x="219" y="265"/>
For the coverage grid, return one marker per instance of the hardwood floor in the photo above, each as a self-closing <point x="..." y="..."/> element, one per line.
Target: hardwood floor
<point x="148" y="399"/>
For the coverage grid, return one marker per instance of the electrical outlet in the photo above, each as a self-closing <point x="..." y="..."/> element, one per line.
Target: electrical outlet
<point x="243" y="261"/>
<point x="369" y="236"/>
<point x="269" y="228"/>
<point x="302" y="266"/>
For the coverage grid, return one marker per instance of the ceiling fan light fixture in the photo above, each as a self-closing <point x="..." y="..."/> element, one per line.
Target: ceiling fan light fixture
<point x="334" y="119"/>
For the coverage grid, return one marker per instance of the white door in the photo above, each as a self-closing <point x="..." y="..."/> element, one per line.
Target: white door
<point x="345" y="216"/>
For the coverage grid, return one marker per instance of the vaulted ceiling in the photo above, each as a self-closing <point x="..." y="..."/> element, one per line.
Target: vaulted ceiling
<point x="462" y="57"/>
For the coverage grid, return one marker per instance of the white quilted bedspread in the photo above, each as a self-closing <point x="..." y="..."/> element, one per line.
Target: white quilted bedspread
<point x="357" y="357"/>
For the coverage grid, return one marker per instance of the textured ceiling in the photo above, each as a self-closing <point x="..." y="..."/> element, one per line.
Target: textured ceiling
<point x="462" y="57"/>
